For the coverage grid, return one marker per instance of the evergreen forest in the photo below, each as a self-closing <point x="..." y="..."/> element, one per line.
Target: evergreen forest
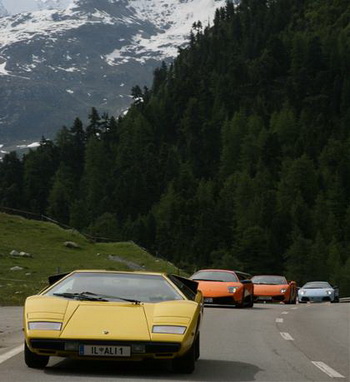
<point x="237" y="157"/>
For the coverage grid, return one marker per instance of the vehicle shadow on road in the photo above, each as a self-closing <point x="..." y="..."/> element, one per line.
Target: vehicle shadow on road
<point x="206" y="370"/>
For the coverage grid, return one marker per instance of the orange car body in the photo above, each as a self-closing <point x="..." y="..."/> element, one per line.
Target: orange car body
<point x="225" y="287"/>
<point x="273" y="288"/>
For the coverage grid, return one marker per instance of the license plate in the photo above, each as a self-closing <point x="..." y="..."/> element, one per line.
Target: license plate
<point x="264" y="298"/>
<point x="105" y="351"/>
<point x="208" y="299"/>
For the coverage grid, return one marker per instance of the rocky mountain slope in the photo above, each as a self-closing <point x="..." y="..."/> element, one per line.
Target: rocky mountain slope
<point x="66" y="56"/>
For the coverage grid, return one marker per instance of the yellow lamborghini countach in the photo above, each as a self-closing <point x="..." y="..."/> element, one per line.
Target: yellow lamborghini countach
<point x="93" y="314"/>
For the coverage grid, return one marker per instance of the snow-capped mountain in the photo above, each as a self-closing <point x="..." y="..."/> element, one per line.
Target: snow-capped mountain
<point x="66" y="56"/>
<point x="19" y="6"/>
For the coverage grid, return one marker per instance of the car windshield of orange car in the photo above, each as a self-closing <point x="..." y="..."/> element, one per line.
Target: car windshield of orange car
<point x="215" y="276"/>
<point x="115" y="286"/>
<point x="269" y="280"/>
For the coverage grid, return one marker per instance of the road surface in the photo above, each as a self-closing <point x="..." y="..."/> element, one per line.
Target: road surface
<point x="272" y="343"/>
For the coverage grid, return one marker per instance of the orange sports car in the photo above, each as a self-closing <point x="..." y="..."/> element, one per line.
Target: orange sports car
<point x="225" y="287"/>
<point x="273" y="288"/>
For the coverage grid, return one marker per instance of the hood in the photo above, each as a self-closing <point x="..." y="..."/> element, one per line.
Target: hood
<point x="213" y="287"/>
<point x="262" y="289"/>
<point x="119" y="320"/>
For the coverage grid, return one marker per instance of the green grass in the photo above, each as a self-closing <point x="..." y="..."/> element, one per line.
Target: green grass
<point x="45" y="242"/>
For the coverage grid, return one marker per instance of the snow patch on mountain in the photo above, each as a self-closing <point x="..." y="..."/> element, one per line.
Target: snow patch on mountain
<point x="19" y="6"/>
<point x="59" y="57"/>
<point x="174" y="20"/>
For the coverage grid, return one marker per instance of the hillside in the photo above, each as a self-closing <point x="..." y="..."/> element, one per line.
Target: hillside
<point x="45" y="242"/>
<point x="238" y="156"/>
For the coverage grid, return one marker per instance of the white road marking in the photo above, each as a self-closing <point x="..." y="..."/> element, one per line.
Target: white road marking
<point x="284" y="312"/>
<point x="286" y="336"/>
<point x="328" y="370"/>
<point x="11" y="353"/>
<point x="280" y="320"/>
<point x="294" y="308"/>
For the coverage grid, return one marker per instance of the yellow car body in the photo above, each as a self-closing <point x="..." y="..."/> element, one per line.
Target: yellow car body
<point x="65" y="321"/>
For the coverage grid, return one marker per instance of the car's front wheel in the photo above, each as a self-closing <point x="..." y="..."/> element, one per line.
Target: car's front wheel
<point x="197" y="347"/>
<point x="186" y="363"/>
<point x="250" y="301"/>
<point x="33" y="360"/>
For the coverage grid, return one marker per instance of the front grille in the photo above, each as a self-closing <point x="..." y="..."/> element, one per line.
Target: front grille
<point x="223" y="300"/>
<point x="150" y="347"/>
<point x="279" y="297"/>
<point x="325" y="298"/>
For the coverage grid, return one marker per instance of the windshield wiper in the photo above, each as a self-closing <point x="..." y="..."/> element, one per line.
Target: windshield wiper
<point x="137" y="302"/>
<point x="81" y="296"/>
<point x="90" y="296"/>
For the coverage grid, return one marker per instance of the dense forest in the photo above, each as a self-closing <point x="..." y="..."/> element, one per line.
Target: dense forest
<point x="238" y="156"/>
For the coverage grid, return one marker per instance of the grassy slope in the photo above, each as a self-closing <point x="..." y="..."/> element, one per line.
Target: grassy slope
<point x="45" y="241"/>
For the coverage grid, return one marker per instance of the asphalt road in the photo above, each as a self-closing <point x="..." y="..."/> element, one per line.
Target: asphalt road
<point x="272" y="343"/>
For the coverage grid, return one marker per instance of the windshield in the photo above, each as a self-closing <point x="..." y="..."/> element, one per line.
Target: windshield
<point x="269" y="280"/>
<point x="115" y="286"/>
<point x="317" y="285"/>
<point x="215" y="276"/>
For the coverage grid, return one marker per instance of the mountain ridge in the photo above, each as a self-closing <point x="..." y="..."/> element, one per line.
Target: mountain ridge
<point x="88" y="54"/>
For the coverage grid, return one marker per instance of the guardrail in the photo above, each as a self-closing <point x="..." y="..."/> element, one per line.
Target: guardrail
<point x="344" y="299"/>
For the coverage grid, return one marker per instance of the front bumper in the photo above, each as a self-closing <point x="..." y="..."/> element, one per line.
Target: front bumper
<point x="223" y="300"/>
<point x="275" y="298"/>
<point x="315" y="298"/>
<point x="70" y="348"/>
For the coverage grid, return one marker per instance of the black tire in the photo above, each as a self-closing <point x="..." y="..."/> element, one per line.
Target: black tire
<point x="186" y="363"/>
<point x="35" y="361"/>
<point x="197" y="347"/>
<point x="251" y="302"/>
<point x="240" y="305"/>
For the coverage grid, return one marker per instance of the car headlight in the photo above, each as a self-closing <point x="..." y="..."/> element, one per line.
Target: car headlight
<point x="329" y="292"/>
<point x="283" y="290"/>
<point x="44" y="325"/>
<point x="302" y="292"/>
<point x="169" y="329"/>
<point x="232" y="289"/>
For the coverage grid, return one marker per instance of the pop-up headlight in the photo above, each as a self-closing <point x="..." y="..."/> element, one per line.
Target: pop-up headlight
<point x="168" y="329"/>
<point x="44" y="325"/>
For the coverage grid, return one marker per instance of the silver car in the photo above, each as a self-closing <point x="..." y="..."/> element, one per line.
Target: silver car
<point x="318" y="291"/>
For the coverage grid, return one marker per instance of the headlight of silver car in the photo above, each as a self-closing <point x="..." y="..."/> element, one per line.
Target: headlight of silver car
<point x="44" y="325"/>
<point x="169" y="329"/>
<point x="302" y="292"/>
<point x="329" y="292"/>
